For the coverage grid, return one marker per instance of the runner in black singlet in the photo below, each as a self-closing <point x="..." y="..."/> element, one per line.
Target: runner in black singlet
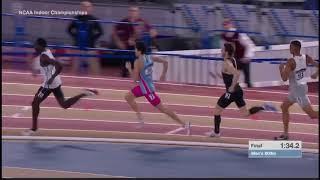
<point x="234" y="93"/>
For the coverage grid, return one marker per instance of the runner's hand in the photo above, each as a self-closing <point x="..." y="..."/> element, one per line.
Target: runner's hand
<point x="128" y="65"/>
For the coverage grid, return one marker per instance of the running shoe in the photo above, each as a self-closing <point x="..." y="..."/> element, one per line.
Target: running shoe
<point x="91" y="92"/>
<point x="212" y="134"/>
<point x="282" y="137"/>
<point x="269" y="107"/>
<point x="28" y="132"/>
<point x="140" y="124"/>
<point x="188" y="127"/>
<point x="140" y="120"/>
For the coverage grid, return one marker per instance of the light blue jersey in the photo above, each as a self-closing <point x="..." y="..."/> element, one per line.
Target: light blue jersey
<point x="146" y="80"/>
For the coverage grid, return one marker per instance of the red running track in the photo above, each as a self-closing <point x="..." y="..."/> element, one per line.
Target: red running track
<point x="148" y="128"/>
<point x="164" y="88"/>
<point x="122" y="106"/>
<point x="151" y="128"/>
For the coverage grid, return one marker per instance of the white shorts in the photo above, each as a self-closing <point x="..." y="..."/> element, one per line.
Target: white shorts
<point x="298" y="94"/>
<point x="303" y="101"/>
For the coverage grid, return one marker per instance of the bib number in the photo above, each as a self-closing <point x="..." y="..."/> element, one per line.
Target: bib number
<point x="151" y="96"/>
<point x="40" y="95"/>
<point x="299" y="100"/>
<point x="300" y="74"/>
<point x="227" y="95"/>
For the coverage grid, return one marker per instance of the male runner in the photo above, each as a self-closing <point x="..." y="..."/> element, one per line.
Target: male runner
<point x="295" y="71"/>
<point x="50" y="69"/>
<point x="234" y="92"/>
<point x="142" y="75"/>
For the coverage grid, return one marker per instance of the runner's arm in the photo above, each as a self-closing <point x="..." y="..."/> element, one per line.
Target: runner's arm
<point x="312" y="62"/>
<point x="286" y="69"/>
<point x="165" y="67"/>
<point x="45" y="61"/>
<point x="236" y="75"/>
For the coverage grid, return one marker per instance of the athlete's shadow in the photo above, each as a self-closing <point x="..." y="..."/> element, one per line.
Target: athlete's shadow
<point x="44" y="148"/>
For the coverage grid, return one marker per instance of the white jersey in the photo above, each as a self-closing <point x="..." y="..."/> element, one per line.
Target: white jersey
<point x="48" y="71"/>
<point x="298" y="76"/>
<point x="298" y="88"/>
<point x="297" y="79"/>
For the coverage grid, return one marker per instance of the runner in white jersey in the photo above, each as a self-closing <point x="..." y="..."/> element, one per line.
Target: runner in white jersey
<point x="295" y="71"/>
<point x="50" y="70"/>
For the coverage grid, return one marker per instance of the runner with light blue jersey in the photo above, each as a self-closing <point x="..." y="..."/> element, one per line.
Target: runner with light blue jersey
<point x="146" y="79"/>
<point x="142" y="74"/>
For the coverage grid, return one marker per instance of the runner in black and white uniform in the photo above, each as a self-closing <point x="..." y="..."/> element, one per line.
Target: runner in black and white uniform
<point x="234" y="92"/>
<point x="50" y="70"/>
<point x="295" y="71"/>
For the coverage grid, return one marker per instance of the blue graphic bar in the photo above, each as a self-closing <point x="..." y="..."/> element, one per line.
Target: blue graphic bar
<point x="274" y="153"/>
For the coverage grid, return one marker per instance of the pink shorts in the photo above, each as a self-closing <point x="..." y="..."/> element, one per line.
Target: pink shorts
<point x="152" y="97"/>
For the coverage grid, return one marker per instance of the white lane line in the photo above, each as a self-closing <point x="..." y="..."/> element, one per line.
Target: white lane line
<point x="142" y="133"/>
<point x="163" y="124"/>
<point x="26" y="108"/>
<point x="169" y="124"/>
<point x="116" y="90"/>
<point x="166" y="83"/>
<point x="150" y="113"/>
<point x="144" y="141"/>
<point x="144" y="102"/>
<point x="176" y="130"/>
<point x="16" y="115"/>
<point x="23" y="109"/>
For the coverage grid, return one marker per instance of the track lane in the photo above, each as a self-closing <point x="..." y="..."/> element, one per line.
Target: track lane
<point x="166" y="89"/>
<point x="278" y="90"/>
<point x="158" y="118"/>
<point x="148" y="128"/>
<point x="113" y="94"/>
<point x="125" y="85"/>
<point x="122" y="106"/>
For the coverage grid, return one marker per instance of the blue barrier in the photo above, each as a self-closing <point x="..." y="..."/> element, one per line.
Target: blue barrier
<point x="113" y="56"/>
<point x="239" y="31"/>
<point x="126" y="56"/>
<point x="29" y="45"/>
<point x="116" y="56"/>
<point x="296" y="35"/>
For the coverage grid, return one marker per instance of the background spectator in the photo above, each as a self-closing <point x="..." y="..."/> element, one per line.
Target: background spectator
<point x="85" y="33"/>
<point x="125" y="35"/>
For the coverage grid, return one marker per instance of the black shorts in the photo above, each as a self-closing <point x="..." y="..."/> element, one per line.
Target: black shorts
<point x="43" y="93"/>
<point x="227" y="98"/>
